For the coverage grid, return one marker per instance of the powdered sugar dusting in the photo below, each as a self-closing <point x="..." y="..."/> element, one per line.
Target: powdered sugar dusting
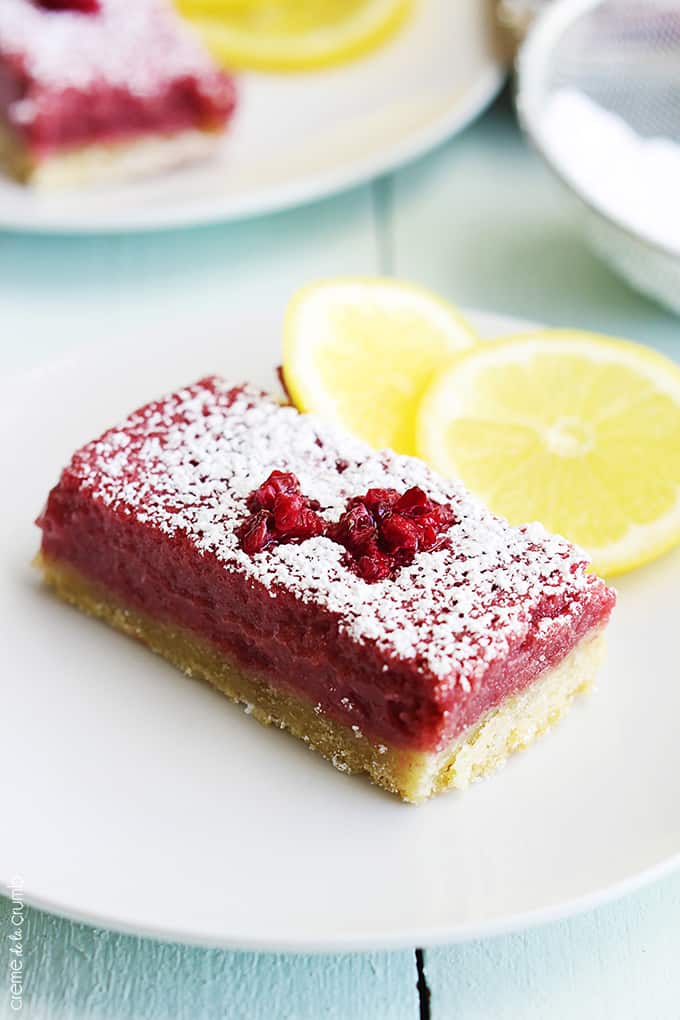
<point x="188" y="462"/>
<point x="139" y="45"/>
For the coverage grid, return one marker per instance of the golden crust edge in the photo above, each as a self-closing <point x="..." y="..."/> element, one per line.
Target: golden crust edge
<point x="413" y="775"/>
<point x="105" y="163"/>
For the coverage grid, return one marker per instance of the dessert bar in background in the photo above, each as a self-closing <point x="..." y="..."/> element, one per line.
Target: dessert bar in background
<point x="379" y="613"/>
<point x="103" y="90"/>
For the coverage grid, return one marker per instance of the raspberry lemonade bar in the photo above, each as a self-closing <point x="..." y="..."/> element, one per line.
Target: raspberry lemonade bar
<point x="94" y="90"/>
<point x="353" y="597"/>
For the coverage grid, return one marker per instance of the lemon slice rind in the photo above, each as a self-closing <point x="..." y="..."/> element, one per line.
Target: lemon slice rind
<point x="241" y="47"/>
<point x="463" y="397"/>
<point x="361" y="351"/>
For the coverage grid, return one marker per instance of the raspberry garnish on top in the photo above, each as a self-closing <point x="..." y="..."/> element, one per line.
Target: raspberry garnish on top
<point x="381" y="530"/>
<point x="384" y="529"/>
<point x="279" y="513"/>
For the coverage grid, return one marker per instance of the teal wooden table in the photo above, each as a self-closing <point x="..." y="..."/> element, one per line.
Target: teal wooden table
<point x="481" y="221"/>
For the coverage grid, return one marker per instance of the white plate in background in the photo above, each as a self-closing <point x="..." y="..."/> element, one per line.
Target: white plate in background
<point x="297" y="137"/>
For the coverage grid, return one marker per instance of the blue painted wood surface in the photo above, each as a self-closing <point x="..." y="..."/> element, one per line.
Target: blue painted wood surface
<point x="481" y="221"/>
<point x="73" y="971"/>
<point x="616" y="963"/>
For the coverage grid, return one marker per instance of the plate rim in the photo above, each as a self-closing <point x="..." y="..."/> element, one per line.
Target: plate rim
<point x="427" y="937"/>
<point x="291" y="195"/>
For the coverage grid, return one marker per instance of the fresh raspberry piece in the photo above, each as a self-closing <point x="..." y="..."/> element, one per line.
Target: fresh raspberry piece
<point x="414" y="502"/>
<point x="309" y="525"/>
<point x="287" y="509"/>
<point x="376" y="567"/>
<point x="278" y="483"/>
<point x="428" y="533"/>
<point x="294" y="520"/>
<point x="254" y="534"/>
<point x="355" y="529"/>
<point x="279" y="513"/>
<point x="80" y="6"/>
<point x="400" y="535"/>
<point x="383" y="530"/>
<point x="379" y="501"/>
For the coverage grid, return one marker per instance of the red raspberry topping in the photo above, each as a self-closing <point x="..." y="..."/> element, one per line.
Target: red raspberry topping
<point x="254" y="533"/>
<point x="375" y="566"/>
<point x="356" y="530"/>
<point x="380" y="502"/>
<point x="399" y="535"/>
<point x="381" y="530"/>
<point x="279" y="483"/>
<point x="82" y="6"/>
<point x="279" y="513"/>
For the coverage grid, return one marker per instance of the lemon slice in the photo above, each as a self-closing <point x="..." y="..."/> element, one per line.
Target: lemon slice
<point x="361" y="353"/>
<point x="579" y="431"/>
<point x="289" y="35"/>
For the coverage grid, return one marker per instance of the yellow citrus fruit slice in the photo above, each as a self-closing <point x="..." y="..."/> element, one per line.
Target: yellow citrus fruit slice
<point x="576" y="430"/>
<point x="291" y="35"/>
<point x="361" y="353"/>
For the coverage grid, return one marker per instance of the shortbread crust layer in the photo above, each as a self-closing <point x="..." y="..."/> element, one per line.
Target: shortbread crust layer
<point x="105" y="163"/>
<point x="413" y="775"/>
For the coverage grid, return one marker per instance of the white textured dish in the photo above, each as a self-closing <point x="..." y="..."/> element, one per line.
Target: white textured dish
<point x="138" y="799"/>
<point x="300" y="137"/>
<point x="646" y="260"/>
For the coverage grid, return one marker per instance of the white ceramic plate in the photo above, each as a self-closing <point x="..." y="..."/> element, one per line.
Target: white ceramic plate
<point x="299" y="137"/>
<point x="135" y="798"/>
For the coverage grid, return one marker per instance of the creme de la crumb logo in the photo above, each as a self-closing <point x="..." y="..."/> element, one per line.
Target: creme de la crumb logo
<point x="15" y="938"/>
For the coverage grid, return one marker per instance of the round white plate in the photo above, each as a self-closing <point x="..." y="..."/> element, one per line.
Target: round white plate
<point x="138" y="799"/>
<point x="299" y="137"/>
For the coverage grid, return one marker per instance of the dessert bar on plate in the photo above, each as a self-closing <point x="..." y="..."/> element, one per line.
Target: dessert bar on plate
<point x="98" y="90"/>
<point x="353" y="597"/>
